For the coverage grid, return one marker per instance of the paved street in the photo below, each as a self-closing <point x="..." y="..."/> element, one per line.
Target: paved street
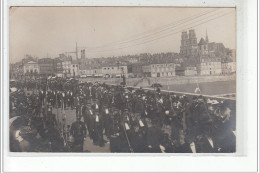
<point x="88" y="144"/>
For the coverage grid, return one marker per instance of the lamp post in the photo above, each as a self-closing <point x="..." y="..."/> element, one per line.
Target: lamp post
<point x="122" y="73"/>
<point x="124" y="81"/>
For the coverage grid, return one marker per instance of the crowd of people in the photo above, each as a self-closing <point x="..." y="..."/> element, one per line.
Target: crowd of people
<point x="128" y="119"/>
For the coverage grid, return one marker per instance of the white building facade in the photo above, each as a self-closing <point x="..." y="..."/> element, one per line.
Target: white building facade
<point x="209" y="67"/>
<point x="115" y="71"/>
<point x="228" y="67"/>
<point x="31" y="67"/>
<point x="74" y="69"/>
<point x="190" y="71"/>
<point x="66" y="66"/>
<point x="163" y="70"/>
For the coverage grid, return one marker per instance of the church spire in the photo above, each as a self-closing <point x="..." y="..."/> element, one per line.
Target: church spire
<point x="207" y="39"/>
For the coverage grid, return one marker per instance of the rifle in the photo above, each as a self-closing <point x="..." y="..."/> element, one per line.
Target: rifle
<point x="129" y="145"/>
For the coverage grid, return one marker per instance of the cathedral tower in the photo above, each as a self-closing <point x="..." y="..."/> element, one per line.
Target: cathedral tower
<point x="189" y="44"/>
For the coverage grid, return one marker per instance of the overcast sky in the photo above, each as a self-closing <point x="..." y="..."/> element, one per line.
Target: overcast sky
<point x="113" y="31"/>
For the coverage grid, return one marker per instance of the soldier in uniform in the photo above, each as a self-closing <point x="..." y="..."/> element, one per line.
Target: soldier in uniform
<point x="59" y="99"/>
<point x="154" y="137"/>
<point x="98" y="129"/>
<point x="68" y="99"/>
<point x="107" y="120"/>
<point x="126" y="132"/>
<point x="64" y="99"/>
<point x="78" y="106"/>
<point x="224" y="134"/>
<point x="72" y="100"/>
<point x="90" y="117"/>
<point x="114" y="131"/>
<point x="78" y="131"/>
<point x="51" y="126"/>
<point x="138" y="137"/>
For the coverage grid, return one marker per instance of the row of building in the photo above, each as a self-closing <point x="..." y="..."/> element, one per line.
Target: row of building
<point x="67" y="67"/>
<point x="203" y="58"/>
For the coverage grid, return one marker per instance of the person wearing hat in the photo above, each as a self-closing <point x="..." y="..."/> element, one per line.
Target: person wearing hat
<point x="225" y="127"/>
<point x="107" y="98"/>
<point x="127" y="100"/>
<point x="139" y="134"/>
<point x="107" y="119"/>
<point x="84" y="112"/>
<point x="154" y="137"/>
<point x="78" y="131"/>
<point x="126" y="122"/>
<point x="115" y="132"/>
<point x="98" y="129"/>
<point x="51" y="125"/>
<point x="90" y="119"/>
<point x="138" y="105"/>
<point x="175" y="117"/>
<point x="117" y="100"/>
<point x="78" y="103"/>
<point x="167" y="108"/>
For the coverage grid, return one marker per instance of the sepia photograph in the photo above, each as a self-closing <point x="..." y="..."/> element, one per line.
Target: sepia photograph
<point x="122" y="80"/>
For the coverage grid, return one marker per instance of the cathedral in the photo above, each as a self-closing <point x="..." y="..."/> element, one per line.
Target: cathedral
<point x="191" y="48"/>
<point x="189" y="44"/>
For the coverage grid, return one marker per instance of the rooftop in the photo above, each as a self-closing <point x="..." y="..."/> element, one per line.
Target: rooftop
<point x="202" y="42"/>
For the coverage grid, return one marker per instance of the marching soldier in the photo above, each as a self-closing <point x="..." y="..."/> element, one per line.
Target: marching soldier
<point x="72" y="100"/>
<point x="154" y="138"/>
<point x="68" y="99"/>
<point x="195" y="126"/>
<point x="138" y="138"/>
<point x="225" y="135"/>
<point x="91" y="120"/>
<point x="51" y="125"/>
<point x="98" y="129"/>
<point x="115" y="132"/>
<point x="126" y="131"/>
<point x="78" y="131"/>
<point x="78" y="106"/>
<point x="107" y="120"/>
